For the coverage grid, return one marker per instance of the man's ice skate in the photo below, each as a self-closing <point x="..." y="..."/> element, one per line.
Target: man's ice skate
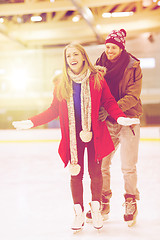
<point x="79" y="218"/>
<point x="130" y="210"/>
<point x="105" y="206"/>
<point x="96" y="215"/>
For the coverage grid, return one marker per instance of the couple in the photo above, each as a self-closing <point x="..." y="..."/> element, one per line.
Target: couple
<point x="98" y="108"/>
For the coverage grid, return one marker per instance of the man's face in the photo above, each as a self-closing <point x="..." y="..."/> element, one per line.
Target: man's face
<point x="112" y="51"/>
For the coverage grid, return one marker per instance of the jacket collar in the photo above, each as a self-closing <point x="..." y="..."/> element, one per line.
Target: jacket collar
<point x="133" y="62"/>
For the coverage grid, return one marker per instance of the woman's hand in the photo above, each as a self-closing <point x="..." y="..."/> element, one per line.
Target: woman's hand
<point x="23" y="125"/>
<point x="125" y="121"/>
<point x="103" y="114"/>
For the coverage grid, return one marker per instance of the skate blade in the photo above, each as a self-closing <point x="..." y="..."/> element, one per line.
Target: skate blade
<point x="132" y="222"/>
<point x="76" y="231"/>
<point x="98" y="228"/>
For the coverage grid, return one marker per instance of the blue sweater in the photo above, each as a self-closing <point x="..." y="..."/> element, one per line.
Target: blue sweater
<point x="77" y="105"/>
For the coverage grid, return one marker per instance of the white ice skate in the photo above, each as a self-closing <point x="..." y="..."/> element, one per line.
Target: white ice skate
<point x="105" y="209"/>
<point x="79" y="218"/>
<point x="96" y="215"/>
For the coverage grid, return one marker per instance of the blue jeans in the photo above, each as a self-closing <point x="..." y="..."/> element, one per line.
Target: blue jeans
<point x="94" y="170"/>
<point x="129" y="144"/>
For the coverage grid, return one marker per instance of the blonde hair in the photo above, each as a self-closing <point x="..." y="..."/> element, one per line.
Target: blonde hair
<point x="64" y="87"/>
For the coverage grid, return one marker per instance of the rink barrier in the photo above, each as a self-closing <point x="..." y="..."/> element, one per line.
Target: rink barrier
<point x="57" y="140"/>
<point x="150" y="139"/>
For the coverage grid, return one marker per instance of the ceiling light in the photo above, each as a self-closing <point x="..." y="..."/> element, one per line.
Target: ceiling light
<point x="106" y="15"/>
<point x="117" y="14"/>
<point x="36" y="18"/>
<point x="122" y="14"/>
<point x="1" y="20"/>
<point x="76" y="18"/>
<point x="19" y="19"/>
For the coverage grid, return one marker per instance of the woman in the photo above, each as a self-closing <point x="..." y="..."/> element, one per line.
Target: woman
<point x="77" y="100"/>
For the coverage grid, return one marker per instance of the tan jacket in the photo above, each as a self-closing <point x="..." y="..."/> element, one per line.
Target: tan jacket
<point x="130" y="89"/>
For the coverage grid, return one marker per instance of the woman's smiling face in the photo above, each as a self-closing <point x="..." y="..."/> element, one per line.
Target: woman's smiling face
<point x="74" y="59"/>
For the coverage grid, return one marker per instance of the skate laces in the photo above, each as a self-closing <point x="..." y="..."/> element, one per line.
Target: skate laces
<point x="79" y="217"/>
<point x="105" y="199"/>
<point x="130" y="207"/>
<point x="96" y="217"/>
<point x="104" y="206"/>
<point x="96" y="214"/>
<point x="76" y="214"/>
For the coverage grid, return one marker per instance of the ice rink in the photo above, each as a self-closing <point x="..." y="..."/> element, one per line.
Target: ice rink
<point x="35" y="197"/>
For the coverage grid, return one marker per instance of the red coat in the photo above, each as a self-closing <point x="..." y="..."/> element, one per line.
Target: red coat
<point x="102" y="140"/>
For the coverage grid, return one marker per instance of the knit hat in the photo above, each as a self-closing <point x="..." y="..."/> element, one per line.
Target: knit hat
<point x="117" y="37"/>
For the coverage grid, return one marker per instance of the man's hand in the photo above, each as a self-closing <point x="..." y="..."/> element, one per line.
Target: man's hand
<point x="103" y="114"/>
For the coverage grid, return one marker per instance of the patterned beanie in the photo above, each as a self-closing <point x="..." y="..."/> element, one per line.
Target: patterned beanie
<point x="117" y="37"/>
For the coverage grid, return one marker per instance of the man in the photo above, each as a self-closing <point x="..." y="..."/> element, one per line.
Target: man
<point x="124" y="78"/>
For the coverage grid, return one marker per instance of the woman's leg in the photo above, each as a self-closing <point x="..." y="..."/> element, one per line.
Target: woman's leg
<point x="95" y="173"/>
<point x="77" y="181"/>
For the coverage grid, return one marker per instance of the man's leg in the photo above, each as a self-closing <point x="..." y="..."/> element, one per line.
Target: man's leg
<point x="129" y="158"/>
<point x="114" y="130"/>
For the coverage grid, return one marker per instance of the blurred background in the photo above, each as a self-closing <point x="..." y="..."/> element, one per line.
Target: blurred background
<point x="33" y="34"/>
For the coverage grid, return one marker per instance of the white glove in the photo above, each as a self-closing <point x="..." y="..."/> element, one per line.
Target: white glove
<point x="23" y="125"/>
<point x="125" y="121"/>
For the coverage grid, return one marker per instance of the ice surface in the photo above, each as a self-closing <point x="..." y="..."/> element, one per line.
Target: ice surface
<point x="35" y="197"/>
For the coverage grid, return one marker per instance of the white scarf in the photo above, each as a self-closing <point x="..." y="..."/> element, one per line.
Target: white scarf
<point x="85" y="134"/>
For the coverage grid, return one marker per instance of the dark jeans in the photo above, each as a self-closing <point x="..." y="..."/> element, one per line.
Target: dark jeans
<point x="94" y="170"/>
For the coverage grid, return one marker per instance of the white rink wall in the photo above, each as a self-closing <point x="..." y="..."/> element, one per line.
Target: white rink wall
<point x="147" y="133"/>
